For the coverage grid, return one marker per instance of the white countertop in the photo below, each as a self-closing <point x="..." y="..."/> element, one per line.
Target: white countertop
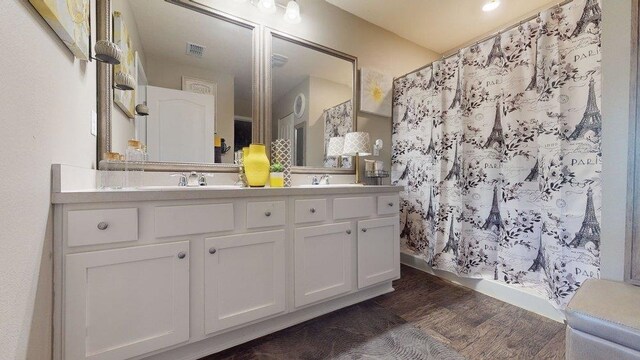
<point x="196" y="193"/>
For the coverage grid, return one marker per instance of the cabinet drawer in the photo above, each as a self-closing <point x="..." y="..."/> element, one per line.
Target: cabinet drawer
<point x="388" y="205"/>
<point x="312" y="210"/>
<point x="90" y="227"/>
<point x="354" y="207"/>
<point x="193" y="219"/>
<point x="265" y="214"/>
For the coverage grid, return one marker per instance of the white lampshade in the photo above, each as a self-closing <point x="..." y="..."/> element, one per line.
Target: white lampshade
<point x="267" y="6"/>
<point x="336" y="144"/>
<point x="292" y="13"/>
<point x="357" y="143"/>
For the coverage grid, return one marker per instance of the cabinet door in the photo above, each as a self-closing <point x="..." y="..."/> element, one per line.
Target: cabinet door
<point x="244" y="278"/>
<point x="378" y="251"/>
<point x="322" y="257"/>
<point x="126" y="302"/>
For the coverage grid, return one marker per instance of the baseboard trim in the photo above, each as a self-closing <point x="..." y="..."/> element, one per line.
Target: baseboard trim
<point x="495" y="289"/>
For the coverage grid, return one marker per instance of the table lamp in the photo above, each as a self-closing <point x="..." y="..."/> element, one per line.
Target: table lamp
<point x="357" y="144"/>
<point x="335" y="148"/>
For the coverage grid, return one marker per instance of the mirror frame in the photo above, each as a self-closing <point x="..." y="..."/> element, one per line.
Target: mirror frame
<point x="269" y="34"/>
<point x="104" y="86"/>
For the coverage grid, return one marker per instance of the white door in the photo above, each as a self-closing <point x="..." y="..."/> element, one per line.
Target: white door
<point x="126" y="302"/>
<point x="323" y="264"/>
<point x="285" y="127"/>
<point x="378" y="251"/>
<point x="244" y="278"/>
<point x="141" y="98"/>
<point x="180" y="125"/>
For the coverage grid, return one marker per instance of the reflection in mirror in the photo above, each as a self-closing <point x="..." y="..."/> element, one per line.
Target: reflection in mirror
<point x="194" y="72"/>
<point x="312" y="101"/>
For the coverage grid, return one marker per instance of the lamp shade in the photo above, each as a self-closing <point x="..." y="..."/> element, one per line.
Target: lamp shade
<point x="357" y="143"/>
<point x="335" y="147"/>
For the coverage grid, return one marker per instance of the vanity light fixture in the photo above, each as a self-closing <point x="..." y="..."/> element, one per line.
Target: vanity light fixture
<point x="357" y="144"/>
<point x="107" y="52"/>
<point x="124" y="81"/>
<point x="267" y="6"/>
<point x="292" y="12"/>
<point x="142" y="109"/>
<point x="491" y="5"/>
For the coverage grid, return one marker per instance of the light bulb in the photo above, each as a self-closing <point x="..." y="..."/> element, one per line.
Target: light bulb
<point x="491" y="5"/>
<point x="267" y="6"/>
<point x="292" y="13"/>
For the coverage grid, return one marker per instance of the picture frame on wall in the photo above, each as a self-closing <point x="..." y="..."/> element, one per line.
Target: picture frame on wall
<point x="124" y="99"/>
<point x="71" y="21"/>
<point x="375" y="92"/>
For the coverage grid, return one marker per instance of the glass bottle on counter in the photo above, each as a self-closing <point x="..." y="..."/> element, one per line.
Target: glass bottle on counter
<point x="133" y="161"/>
<point x="110" y="178"/>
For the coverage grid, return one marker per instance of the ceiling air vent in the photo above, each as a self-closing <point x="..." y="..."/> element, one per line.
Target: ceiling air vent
<point x="195" y="50"/>
<point x="278" y="60"/>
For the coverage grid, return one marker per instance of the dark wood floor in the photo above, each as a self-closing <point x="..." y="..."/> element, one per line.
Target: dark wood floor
<point x="475" y="325"/>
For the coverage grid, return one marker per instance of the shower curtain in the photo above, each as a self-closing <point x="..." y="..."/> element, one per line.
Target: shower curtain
<point x="498" y="148"/>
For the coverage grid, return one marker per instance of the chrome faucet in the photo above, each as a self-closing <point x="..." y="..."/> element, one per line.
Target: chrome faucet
<point x="193" y="179"/>
<point x="320" y="180"/>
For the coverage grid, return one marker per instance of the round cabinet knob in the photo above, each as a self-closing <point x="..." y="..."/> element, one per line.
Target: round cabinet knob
<point x="364" y="229"/>
<point x="313" y="210"/>
<point x="267" y="213"/>
<point x="390" y="204"/>
<point x="348" y="232"/>
<point x="182" y="255"/>
<point x="212" y="251"/>
<point x="103" y="225"/>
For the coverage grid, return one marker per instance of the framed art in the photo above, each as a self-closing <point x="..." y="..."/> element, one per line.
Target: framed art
<point x="375" y="92"/>
<point x="125" y="99"/>
<point x="70" y="20"/>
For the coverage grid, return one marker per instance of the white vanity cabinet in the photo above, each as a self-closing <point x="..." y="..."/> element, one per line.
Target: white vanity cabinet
<point x="244" y="278"/>
<point x="182" y="274"/>
<point x="126" y="302"/>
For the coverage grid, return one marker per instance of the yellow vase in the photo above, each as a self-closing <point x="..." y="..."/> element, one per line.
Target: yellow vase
<point x="256" y="166"/>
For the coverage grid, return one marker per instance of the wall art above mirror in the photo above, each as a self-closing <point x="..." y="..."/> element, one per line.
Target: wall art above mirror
<point x="195" y="70"/>
<point x="310" y="94"/>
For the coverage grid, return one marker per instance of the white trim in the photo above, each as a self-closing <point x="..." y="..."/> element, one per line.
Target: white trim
<point x="503" y="292"/>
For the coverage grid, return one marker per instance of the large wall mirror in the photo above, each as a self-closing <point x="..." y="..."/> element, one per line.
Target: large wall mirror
<point x="195" y="69"/>
<point x="310" y="95"/>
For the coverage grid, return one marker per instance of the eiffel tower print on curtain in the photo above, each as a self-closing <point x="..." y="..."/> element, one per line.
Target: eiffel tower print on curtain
<point x="452" y="242"/>
<point x="455" y="168"/>
<point x="539" y="261"/>
<point x="592" y="14"/>
<point x="457" y="98"/>
<point x="496" y="52"/>
<point x="590" y="230"/>
<point x="533" y="174"/>
<point x="494" y="220"/>
<point x="496" y="136"/>
<point x="592" y="118"/>
<point x="431" y="215"/>
<point x="431" y="147"/>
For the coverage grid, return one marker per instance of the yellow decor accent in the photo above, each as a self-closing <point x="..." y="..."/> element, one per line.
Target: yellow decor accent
<point x="276" y="180"/>
<point x="217" y="141"/>
<point x="256" y="166"/>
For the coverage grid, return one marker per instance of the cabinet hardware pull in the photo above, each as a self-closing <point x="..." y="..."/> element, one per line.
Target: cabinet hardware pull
<point x="103" y="225"/>
<point x="267" y="213"/>
<point x="182" y="255"/>
<point x="313" y="210"/>
<point x="364" y="229"/>
<point x="348" y="232"/>
<point x="212" y="250"/>
<point x="391" y="204"/>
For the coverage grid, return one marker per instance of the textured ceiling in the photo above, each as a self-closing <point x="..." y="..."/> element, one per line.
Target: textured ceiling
<point x="440" y="25"/>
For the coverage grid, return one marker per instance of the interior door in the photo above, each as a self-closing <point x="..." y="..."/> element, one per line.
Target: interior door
<point x="180" y="126"/>
<point x="322" y="259"/>
<point x="244" y="278"/>
<point x="126" y="302"/>
<point x="378" y="250"/>
<point x="285" y="127"/>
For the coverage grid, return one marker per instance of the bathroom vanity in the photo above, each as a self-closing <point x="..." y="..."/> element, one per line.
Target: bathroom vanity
<point x="184" y="273"/>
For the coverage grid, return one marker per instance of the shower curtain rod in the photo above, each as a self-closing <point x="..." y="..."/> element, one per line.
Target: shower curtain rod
<point x="494" y="34"/>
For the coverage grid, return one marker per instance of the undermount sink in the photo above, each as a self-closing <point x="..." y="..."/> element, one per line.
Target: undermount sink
<point x="328" y="185"/>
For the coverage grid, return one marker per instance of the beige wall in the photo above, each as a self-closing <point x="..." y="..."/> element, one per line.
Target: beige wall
<point x="46" y="99"/>
<point x="163" y="73"/>
<point x="616" y="77"/>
